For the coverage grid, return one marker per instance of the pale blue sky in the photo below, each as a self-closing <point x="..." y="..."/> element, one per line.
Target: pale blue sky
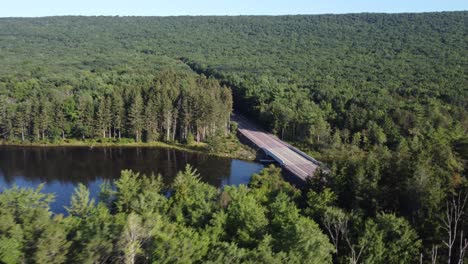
<point x="32" y="8"/>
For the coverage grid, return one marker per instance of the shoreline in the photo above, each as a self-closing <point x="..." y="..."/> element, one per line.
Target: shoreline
<point x="199" y="148"/>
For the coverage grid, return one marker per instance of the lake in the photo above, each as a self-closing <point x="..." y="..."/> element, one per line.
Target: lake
<point x="62" y="168"/>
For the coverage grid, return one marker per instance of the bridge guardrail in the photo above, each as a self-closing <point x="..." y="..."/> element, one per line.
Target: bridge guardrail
<point x="275" y="157"/>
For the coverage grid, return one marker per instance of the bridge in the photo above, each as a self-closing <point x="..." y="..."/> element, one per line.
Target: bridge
<point x="290" y="158"/>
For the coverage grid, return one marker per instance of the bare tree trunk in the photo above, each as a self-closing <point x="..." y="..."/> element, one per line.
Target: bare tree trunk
<point x="174" y="126"/>
<point x="434" y="254"/>
<point x="168" y="126"/>
<point x="453" y="219"/>
<point x="463" y="247"/>
<point x="336" y="226"/>
<point x="355" y="256"/>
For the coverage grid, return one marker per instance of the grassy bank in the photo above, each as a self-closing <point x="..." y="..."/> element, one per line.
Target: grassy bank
<point x="227" y="147"/>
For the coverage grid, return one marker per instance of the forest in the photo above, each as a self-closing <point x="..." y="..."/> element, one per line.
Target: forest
<point x="173" y="106"/>
<point x="380" y="98"/>
<point x="136" y="222"/>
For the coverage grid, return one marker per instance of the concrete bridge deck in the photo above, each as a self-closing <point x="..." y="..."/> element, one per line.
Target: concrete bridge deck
<point x="290" y="158"/>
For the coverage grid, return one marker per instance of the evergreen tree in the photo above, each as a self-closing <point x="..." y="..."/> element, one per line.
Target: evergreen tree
<point x="23" y="113"/>
<point x="53" y="245"/>
<point x="85" y="119"/>
<point x="59" y="122"/>
<point x="80" y="204"/>
<point x="389" y="239"/>
<point x="151" y="124"/>
<point x="117" y="114"/>
<point x="135" y="116"/>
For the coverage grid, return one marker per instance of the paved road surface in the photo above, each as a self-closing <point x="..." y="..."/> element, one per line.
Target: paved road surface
<point x="282" y="152"/>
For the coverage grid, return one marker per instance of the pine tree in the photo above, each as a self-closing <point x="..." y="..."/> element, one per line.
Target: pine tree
<point x="151" y="120"/>
<point x="6" y="124"/>
<point x="107" y="116"/>
<point x="52" y="246"/>
<point x="59" y="120"/>
<point x="117" y="113"/>
<point x="22" y="115"/>
<point x="100" y="119"/>
<point x="44" y="117"/>
<point x="80" y="204"/>
<point x="135" y="116"/>
<point x="85" y="115"/>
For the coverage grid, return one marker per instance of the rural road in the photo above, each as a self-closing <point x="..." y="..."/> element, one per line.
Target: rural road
<point x="283" y="153"/>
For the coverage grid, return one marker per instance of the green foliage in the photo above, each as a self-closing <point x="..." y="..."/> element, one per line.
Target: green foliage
<point x="381" y="97"/>
<point x="128" y="187"/>
<point x="11" y="240"/>
<point x="134" y="233"/>
<point x="52" y="246"/>
<point x="170" y="106"/>
<point x="94" y="236"/>
<point x="178" y="244"/>
<point x="193" y="201"/>
<point x="80" y="202"/>
<point x="190" y="139"/>
<point x="196" y="223"/>
<point x="233" y="127"/>
<point x="246" y="218"/>
<point x="269" y="183"/>
<point x="319" y="202"/>
<point x="27" y="228"/>
<point x="137" y="223"/>
<point x="389" y="239"/>
<point x="215" y="143"/>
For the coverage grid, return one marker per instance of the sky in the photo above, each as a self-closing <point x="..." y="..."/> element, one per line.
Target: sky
<point x="35" y="8"/>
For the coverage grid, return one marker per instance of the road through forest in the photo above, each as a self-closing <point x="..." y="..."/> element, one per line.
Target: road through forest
<point x="288" y="157"/>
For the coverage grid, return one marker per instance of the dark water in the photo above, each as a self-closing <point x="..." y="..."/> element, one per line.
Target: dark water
<point x="62" y="168"/>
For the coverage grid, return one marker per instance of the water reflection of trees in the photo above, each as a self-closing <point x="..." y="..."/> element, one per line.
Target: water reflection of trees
<point x="82" y="164"/>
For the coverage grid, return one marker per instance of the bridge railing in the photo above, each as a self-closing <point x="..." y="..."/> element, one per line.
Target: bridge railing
<point x="275" y="157"/>
<point x="304" y="155"/>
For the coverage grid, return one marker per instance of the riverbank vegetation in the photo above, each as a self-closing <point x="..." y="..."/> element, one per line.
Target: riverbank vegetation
<point x="381" y="98"/>
<point x="136" y="222"/>
<point x="228" y="146"/>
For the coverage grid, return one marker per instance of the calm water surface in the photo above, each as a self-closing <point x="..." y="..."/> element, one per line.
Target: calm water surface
<point x="62" y="168"/>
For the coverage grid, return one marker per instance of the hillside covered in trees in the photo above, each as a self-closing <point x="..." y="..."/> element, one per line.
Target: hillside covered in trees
<point x="302" y="76"/>
<point x="382" y="98"/>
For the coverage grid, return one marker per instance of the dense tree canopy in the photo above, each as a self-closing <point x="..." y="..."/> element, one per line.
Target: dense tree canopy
<point x="170" y="107"/>
<point x="382" y="98"/>
<point x="137" y="222"/>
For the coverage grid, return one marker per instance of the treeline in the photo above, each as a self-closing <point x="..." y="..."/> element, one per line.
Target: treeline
<point x="381" y="98"/>
<point x="268" y="221"/>
<point x="174" y="106"/>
